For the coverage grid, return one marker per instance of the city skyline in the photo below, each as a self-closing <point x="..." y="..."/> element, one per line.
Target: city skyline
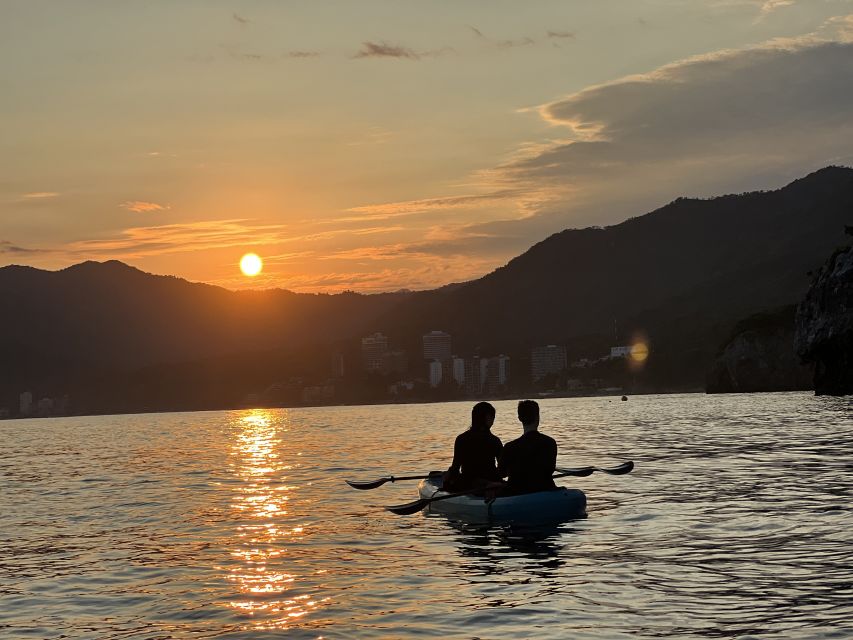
<point x="427" y="147"/>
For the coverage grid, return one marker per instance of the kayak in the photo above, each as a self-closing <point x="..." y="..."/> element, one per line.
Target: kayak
<point x="530" y="508"/>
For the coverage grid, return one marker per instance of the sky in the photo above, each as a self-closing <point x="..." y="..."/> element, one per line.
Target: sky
<point x="392" y="144"/>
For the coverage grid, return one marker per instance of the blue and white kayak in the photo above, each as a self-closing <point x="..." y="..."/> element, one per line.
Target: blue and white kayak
<point x="530" y="508"/>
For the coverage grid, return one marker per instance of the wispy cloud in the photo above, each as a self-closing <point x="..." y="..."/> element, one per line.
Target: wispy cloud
<point x="39" y="195"/>
<point x="768" y="6"/>
<point x="507" y="43"/>
<point x="560" y="34"/>
<point x="239" y="19"/>
<point x="140" y="206"/>
<point x="519" y="42"/>
<point x="374" y="135"/>
<point x="138" y="242"/>
<point x="385" y="50"/>
<point x="9" y="247"/>
<point x="430" y="204"/>
<point x="302" y="54"/>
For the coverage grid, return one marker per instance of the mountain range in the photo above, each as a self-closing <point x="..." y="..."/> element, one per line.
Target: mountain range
<point x="681" y="276"/>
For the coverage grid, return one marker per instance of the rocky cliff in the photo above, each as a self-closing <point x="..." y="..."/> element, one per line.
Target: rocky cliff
<point x="760" y="356"/>
<point x="824" y="325"/>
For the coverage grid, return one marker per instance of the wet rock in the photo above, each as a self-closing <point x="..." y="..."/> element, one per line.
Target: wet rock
<point x="760" y="356"/>
<point x="824" y="325"/>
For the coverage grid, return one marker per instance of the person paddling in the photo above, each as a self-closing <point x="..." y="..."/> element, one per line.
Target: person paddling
<point x="475" y="453"/>
<point x="529" y="461"/>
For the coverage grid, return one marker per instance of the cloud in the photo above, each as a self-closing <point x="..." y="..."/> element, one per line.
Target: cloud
<point x="374" y="135"/>
<point x="385" y="50"/>
<point x="520" y="42"/>
<point x="7" y="246"/>
<point x="239" y="19"/>
<point x="138" y="242"/>
<point x="700" y="125"/>
<point x="509" y="43"/>
<point x="392" y="209"/>
<point x="724" y="122"/>
<point x="140" y="206"/>
<point x="39" y="195"/>
<point x="302" y="54"/>
<point x="768" y="6"/>
<point x="560" y="34"/>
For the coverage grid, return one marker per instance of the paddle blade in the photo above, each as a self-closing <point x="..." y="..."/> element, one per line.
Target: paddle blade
<point x="579" y="472"/>
<point x="409" y="508"/>
<point x="364" y="486"/>
<point x="622" y="469"/>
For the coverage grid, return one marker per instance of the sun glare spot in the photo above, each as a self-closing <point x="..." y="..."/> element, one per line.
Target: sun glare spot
<point x="251" y="264"/>
<point x="639" y="352"/>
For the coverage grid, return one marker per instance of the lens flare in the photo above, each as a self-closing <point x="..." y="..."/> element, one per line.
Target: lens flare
<point x="251" y="264"/>
<point x="639" y="352"/>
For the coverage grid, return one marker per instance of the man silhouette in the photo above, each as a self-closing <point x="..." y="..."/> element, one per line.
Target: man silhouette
<point x="529" y="461"/>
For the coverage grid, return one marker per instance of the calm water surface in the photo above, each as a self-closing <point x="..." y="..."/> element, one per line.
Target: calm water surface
<point x="735" y="523"/>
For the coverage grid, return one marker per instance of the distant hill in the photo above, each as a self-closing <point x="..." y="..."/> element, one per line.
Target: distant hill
<point x="682" y="275"/>
<point x="112" y="317"/>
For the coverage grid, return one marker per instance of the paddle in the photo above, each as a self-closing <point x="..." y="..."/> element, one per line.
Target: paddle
<point x="419" y="505"/>
<point x="364" y="486"/>
<point x="582" y="472"/>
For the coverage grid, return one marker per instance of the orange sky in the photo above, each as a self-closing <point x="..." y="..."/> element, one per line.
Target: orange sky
<point x="376" y="146"/>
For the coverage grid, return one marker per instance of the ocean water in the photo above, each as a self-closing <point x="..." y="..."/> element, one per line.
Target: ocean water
<point x="736" y="523"/>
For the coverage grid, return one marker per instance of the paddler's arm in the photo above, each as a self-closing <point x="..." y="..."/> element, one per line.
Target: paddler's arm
<point x="455" y="466"/>
<point x="502" y="472"/>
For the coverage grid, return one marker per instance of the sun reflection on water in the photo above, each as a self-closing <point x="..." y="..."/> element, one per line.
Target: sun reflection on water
<point x="269" y="591"/>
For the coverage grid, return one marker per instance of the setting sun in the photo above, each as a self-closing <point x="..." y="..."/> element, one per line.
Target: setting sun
<point x="251" y="264"/>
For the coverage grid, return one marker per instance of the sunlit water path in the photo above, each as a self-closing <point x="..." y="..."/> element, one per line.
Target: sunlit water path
<point x="736" y="523"/>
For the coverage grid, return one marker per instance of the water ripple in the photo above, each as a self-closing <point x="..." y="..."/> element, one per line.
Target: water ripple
<point x="735" y="524"/>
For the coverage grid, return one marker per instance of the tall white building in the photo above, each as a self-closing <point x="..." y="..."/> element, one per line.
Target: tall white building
<point x="437" y="346"/>
<point x="459" y="370"/>
<point x="499" y="369"/>
<point x="435" y="373"/>
<point x="548" y="359"/>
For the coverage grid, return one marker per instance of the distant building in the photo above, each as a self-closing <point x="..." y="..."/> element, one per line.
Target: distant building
<point x="620" y="352"/>
<point x="338" y="365"/>
<point x="545" y="360"/>
<point x="437" y="346"/>
<point x="26" y="404"/>
<point x="401" y="387"/>
<point x="436" y="373"/>
<point x="4" y="414"/>
<point x="372" y="349"/>
<point x="45" y="407"/>
<point x="458" y="365"/>
<point x="496" y="375"/>
<point x="499" y="369"/>
<point x="62" y="406"/>
<point x="395" y="362"/>
<point x="475" y="375"/>
<point x="320" y="394"/>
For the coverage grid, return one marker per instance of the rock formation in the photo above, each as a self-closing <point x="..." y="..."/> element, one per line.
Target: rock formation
<point x="824" y="325"/>
<point x="760" y="356"/>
